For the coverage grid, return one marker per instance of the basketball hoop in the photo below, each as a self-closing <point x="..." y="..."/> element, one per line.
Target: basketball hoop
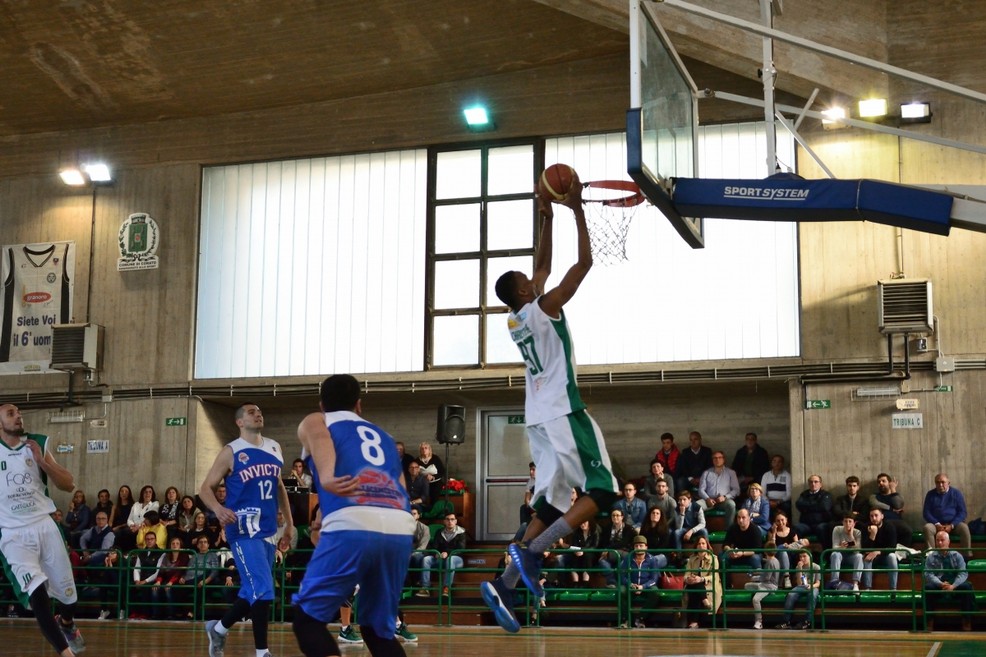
<point x="609" y="208"/>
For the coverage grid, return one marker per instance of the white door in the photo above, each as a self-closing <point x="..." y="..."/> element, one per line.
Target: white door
<point x="504" y="456"/>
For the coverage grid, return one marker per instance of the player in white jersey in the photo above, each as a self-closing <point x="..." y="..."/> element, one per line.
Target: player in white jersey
<point x="32" y="550"/>
<point x="566" y="444"/>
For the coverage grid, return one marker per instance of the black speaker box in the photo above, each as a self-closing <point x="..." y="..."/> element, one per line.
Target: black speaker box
<point x="451" y="424"/>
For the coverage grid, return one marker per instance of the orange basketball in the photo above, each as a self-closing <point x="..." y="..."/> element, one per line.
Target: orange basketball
<point x="555" y="182"/>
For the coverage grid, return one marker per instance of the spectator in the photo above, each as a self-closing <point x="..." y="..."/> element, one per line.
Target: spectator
<point x="741" y="545"/>
<point x="168" y="511"/>
<point x="199" y="528"/>
<point x="147" y="501"/>
<point x="759" y="508"/>
<point x="944" y="510"/>
<point x="586" y="537"/>
<point x="668" y="454"/>
<point x="302" y="479"/>
<point x="688" y="521"/>
<point x="655" y="530"/>
<point x="719" y="488"/>
<point x="847" y="537"/>
<point x="78" y="519"/>
<point x="852" y="503"/>
<point x="203" y="568"/>
<point x="639" y="572"/>
<point x="418" y="488"/>
<point x="776" y="484"/>
<point x="405" y="459"/>
<point x="664" y="501"/>
<point x="167" y="594"/>
<point x="880" y="539"/>
<point x="282" y="526"/>
<point x="186" y="518"/>
<point x="433" y="467"/>
<point x="786" y="539"/>
<point x="422" y="536"/>
<point x="769" y="581"/>
<point x="103" y="503"/>
<point x="692" y="463"/>
<point x="152" y="525"/>
<point x="97" y="541"/>
<point x="210" y="515"/>
<point x="526" y="510"/>
<point x="145" y="571"/>
<point x="751" y="461"/>
<point x="634" y="509"/>
<point x="815" y="511"/>
<point x="657" y="474"/>
<point x="891" y="502"/>
<point x="703" y="594"/>
<point x="121" y="510"/>
<point x="616" y="543"/>
<point x="451" y="538"/>
<point x="946" y="577"/>
<point x="808" y="578"/>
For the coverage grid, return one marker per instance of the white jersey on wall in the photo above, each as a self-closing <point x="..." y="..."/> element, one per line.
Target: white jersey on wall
<point x="23" y="485"/>
<point x="546" y="346"/>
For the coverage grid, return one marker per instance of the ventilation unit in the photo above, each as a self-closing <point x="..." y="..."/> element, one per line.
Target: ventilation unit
<point x="76" y="347"/>
<point x="905" y="306"/>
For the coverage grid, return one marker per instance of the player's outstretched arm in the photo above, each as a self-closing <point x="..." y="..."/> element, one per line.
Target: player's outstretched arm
<point x="554" y="299"/>
<point x="542" y="258"/>
<point x="222" y="466"/>
<point x="59" y="476"/>
<point x="315" y="437"/>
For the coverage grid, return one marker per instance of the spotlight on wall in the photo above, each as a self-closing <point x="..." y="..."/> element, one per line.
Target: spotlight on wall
<point x="98" y="172"/>
<point x="91" y="172"/>
<point x="478" y="118"/>
<point x="72" y="176"/>
<point x="833" y="118"/>
<point x="872" y="108"/>
<point x="915" y="113"/>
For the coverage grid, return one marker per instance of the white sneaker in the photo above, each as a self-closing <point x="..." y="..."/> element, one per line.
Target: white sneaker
<point x="104" y="614"/>
<point x="855" y="587"/>
<point x="758" y="625"/>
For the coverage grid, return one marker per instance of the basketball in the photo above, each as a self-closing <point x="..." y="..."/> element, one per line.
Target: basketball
<point x="555" y="182"/>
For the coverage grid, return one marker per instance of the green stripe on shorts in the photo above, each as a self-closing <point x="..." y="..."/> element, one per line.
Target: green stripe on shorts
<point x="590" y="446"/>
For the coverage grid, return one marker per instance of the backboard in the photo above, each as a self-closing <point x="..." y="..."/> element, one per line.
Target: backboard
<point x="662" y="122"/>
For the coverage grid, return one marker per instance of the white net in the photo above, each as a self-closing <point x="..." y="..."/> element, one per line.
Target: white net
<point x="610" y="206"/>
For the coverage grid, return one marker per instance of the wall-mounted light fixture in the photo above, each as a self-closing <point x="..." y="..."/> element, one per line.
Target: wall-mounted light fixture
<point x="834" y="114"/>
<point x="873" y="108"/>
<point x="91" y="172"/>
<point x="478" y="118"/>
<point x="915" y="113"/>
<point x="878" y="391"/>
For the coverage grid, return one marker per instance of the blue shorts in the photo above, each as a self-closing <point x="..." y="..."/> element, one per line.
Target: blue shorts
<point x="254" y="559"/>
<point x="377" y="562"/>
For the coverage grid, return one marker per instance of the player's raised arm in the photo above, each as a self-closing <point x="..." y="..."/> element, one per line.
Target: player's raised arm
<point x="542" y="257"/>
<point x="554" y="299"/>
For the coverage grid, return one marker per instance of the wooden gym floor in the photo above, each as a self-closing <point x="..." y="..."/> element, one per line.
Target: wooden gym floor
<point x="21" y="638"/>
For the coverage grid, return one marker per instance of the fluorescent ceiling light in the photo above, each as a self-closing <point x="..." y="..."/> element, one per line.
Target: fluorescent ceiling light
<point x="878" y="391"/>
<point x="72" y="176"/>
<point x="872" y="108"/>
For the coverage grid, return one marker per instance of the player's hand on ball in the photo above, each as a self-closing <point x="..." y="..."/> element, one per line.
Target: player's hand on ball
<point x="544" y="207"/>
<point x="574" y="197"/>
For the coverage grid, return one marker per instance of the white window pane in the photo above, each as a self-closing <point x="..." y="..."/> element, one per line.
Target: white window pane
<point x="511" y="170"/>
<point x="498" y="266"/>
<point x="456" y="340"/>
<point x="499" y="347"/>
<point x="457" y="284"/>
<point x="458" y="174"/>
<point x="457" y="228"/>
<point x="509" y="225"/>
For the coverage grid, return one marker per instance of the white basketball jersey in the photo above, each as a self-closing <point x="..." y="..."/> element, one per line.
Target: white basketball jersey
<point x="23" y="486"/>
<point x="36" y="295"/>
<point x="546" y="346"/>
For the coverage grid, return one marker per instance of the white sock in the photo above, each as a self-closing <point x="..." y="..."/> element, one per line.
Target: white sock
<point x="262" y="653"/>
<point x="221" y="629"/>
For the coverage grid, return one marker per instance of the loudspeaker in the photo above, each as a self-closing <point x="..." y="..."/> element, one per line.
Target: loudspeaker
<point x="451" y="424"/>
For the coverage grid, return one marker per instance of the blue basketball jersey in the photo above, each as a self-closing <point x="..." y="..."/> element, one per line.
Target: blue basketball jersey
<point x="367" y="452"/>
<point x="251" y="488"/>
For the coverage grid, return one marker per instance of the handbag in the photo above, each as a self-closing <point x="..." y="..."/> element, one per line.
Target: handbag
<point x="672" y="581"/>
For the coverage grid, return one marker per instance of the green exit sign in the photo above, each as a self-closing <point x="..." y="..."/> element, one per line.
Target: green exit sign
<point x="817" y="403"/>
<point x="175" y="421"/>
<point x="943" y="388"/>
<point x="515" y="419"/>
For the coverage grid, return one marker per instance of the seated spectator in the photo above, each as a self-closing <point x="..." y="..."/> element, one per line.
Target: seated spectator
<point x="759" y="508"/>
<point x="302" y="479"/>
<point x="946" y="578"/>
<point x="776" y="484"/>
<point x="199" y="528"/>
<point x="787" y="540"/>
<point x="633" y="508"/>
<point x="741" y="544"/>
<point x="639" y="572"/>
<point x="405" y="458"/>
<point x="146" y="565"/>
<point x="880" y="539"/>
<point x="769" y="581"/>
<point x="719" y="488"/>
<point x="664" y="501"/>
<point x="451" y="538"/>
<point x="167" y="594"/>
<point x="688" y="522"/>
<point x="703" y="595"/>
<point x="692" y="463"/>
<point x="203" y="569"/>
<point x="152" y="525"/>
<point x="78" y="518"/>
<point x="657" y="474"/>
<point x="418" y="489"/>
<point x="526" y="510"/>
<point x="808" y="582"/>
<point x="891" y="502"/>
<point x="655" y="530"/>
<point x="815" y="511"/>
<point x="585" y="537"/>
<point x="668" y="454"/>
<point x="97" y="541"/>
<point x="851" y="504"/>
<point x="422" y="536"/>
<point x="210" y="515"/>
<point x="616" y="543"/>
<point x="103" y="503"/>
<point x="944" y="510"/>
<point x="168" y="511"/>
<point x="433" y="467"/>
<point x="751" y="462"/>
<point x="186" y="517"/>
<point x="121" y="512"/>
<point x="847" y="537"/>
<point x="126" y="539"/>
<point x="282" y="525"/>
<point x="59" y="518"/>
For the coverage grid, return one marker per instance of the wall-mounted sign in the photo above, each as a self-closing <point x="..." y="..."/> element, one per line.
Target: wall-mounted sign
<point x="907" y="420"/>
<point x="817" y="403"/>
<point x="175" y="421"/>
<point x="97" y="446"/>
<point x="138" y="240"/>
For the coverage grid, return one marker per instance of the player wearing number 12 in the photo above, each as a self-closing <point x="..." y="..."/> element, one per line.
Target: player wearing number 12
<point x="566" y="444"/>
<point x="251" y="466"/>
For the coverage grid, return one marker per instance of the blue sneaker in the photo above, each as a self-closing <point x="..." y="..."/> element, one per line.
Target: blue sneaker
<point x="529" y="566"/>
<point x="496" y="596"/>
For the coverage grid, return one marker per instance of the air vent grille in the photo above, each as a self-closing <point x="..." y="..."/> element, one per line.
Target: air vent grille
<point x="905" y="306"/>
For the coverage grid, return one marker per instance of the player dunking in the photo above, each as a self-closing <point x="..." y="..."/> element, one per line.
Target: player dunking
<point x="566" y="444"/>
<point x="366" y="517"/>
<point x="31" y="547"/>
<point x="251" y="466"/>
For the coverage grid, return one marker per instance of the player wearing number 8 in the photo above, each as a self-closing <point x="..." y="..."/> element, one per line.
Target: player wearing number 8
<point x="251" y="467"/>
<point x="366" y="519"/>
<point x="566" y="444"/>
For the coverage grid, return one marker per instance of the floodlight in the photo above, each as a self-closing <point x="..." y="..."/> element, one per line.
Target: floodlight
<point x="834" y="114"/>
<point x="872" y="108"/>
<point x="98" y="172"/>
<point x="915" y="112"/>
<point x="72" y="176"/>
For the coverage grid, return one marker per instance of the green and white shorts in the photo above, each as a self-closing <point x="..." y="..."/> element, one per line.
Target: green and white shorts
<point x="34" y="555"/>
